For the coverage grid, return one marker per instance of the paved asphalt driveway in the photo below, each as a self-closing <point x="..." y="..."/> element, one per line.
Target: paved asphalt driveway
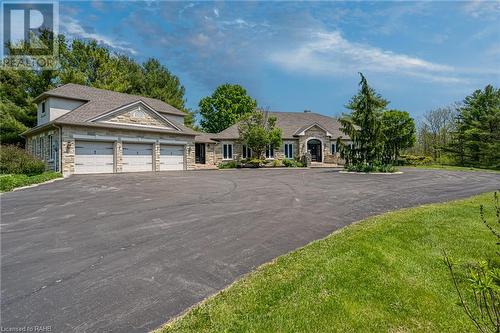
<point x="127" y="252"/>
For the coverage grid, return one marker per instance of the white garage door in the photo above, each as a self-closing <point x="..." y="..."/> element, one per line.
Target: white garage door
<point x="93" y="157"/>
<point x="137" y="157"/>
<point x="171" y="157"/>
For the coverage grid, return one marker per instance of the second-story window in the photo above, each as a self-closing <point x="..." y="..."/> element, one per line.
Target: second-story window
<point x="43" y="107"/>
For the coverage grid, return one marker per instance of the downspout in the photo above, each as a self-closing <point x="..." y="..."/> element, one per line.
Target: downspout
<point x="60" y="148"/>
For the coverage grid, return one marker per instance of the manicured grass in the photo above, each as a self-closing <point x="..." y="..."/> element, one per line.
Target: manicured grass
<point x="10" y="182"/>
<point x="385" y="274"/>
<point x="451" y="168"/>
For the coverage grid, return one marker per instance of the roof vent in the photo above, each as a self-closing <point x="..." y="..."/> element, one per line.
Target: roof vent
<point x="307" y="111"/>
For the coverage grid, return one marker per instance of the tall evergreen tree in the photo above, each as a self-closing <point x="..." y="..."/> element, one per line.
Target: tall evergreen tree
<point x="477" y="136"/>
<point x="363" y="125"/>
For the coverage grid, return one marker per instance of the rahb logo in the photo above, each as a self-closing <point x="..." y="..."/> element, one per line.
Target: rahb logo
<point x="29" y="34"/>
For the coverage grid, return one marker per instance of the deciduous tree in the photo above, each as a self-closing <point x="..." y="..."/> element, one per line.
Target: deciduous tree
<point x="258" y="130"/>
<point x="225" y="107"/>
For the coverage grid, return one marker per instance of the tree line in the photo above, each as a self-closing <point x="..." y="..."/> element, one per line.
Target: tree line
<point x="90" y="64"/>
<point x="466" y="133"/>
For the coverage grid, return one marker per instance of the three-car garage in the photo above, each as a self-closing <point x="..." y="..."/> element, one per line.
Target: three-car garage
<point x="101" y="156"/>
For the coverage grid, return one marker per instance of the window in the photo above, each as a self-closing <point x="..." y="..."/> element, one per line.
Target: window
<point x="247" y="152"/>
<point x="288" y="150"/>
<point x="40" y="147"/>
<point x="227" y="151"/>
<point x="334" y="148"/>
<point x="43" y="107"/>
<point x="138" y="113"/>
<point x="51" y="148"/>
<point x="33" y="146"/>
<point x="269" y="152"/>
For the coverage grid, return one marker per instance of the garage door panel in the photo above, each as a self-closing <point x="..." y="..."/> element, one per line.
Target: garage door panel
<point x="137" y="157"/>
<point x="171" y="157"/>
<point x="94" y="157"/>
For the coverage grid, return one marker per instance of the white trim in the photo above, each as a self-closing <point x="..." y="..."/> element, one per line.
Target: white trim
<point x="94" y="137"/>
<point x="270" y="148"/>
<point x="322" y="143"/>
<point x="137" y="140"/>
<point x="134" y="125"/>
<point x="303" y="132"/>
<point x="172" y="142"/>
<point x="232" y="151"/>
<point x="290" y="144"/>
<point x="123" y="107"/>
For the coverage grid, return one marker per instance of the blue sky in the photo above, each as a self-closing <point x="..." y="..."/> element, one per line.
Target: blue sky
<point x="292" y="56"/>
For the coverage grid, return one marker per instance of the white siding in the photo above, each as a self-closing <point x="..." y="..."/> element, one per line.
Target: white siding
<point x="176" y="119"/>
<point x="55" y="107"/>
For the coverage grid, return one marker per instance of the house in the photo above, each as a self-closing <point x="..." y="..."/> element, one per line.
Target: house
<point x="301" y="132"/>
<point x="84" y="130"/>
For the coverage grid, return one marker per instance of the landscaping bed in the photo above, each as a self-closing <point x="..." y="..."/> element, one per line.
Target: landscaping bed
<point x="384" y="274"/>
<point x="10" y="182"/>
<point x="19" y="168"/>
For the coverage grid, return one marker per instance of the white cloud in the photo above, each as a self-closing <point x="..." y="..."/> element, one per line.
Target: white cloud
<point x="73" y="28"/>
<point x="200" y="40"/>
<point x="216" y="12"/>
<point x="328" y="53"/>
<point x="481" y="8"/>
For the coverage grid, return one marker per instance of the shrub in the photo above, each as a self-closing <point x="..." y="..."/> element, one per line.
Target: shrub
<point x="228" y="165"/>
<point x="288" y="163"/>
<point x="254" y="163"/>
<point x="15" y="160"/>
<point x="364" y="167"/>
<point x="277" y="163"/>
<point x="482" y="283"/>
<point x="292" y="163"/>
<point x="10" y="182"/>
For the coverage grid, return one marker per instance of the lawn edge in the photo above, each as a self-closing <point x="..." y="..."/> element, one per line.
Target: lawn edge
<point x="32" y="185"/>
<point x="368" y="220"/>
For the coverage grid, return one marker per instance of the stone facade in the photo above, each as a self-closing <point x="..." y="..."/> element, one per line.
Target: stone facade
<point x="315" y="133"/>
<point x="139" y="116"/>
<point x="70" y="134"/>
<point x="45" y="146"/>
<point x="299" y="147"/>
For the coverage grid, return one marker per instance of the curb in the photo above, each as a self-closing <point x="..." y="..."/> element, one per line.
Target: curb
<point x="33" y="185"/>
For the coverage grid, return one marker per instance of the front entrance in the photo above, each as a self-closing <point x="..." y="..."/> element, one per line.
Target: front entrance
<point x="314" y="148"/>
<point x="199" y="153"/>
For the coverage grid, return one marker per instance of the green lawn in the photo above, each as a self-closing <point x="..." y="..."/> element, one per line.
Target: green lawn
<point x="385" y="274"/>
<point x="450" y="167"/>
<point x="10" y="182"/>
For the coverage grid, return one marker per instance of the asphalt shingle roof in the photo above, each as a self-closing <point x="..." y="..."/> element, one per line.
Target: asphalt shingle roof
<point x="100" y="101"/>
<point x="291" y="123"/>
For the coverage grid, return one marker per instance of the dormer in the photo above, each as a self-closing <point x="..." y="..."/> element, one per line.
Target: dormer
<point x="53" y="107"/>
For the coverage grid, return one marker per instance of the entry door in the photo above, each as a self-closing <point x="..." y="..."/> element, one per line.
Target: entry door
<point x="94" y="157"/>
<point x="171" y="157"/>
<point x="315" y="150"/>
<point x="137" y="157"/>
<point x="199" y="153"/>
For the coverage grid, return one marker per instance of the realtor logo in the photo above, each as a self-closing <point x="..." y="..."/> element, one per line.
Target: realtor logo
<point x="29" y="34"/>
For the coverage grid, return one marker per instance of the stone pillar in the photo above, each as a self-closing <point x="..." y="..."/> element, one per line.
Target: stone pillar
<point x="156" y="156"/>
<point x="68" y="156"/>
<point x="189" y="162"/>
<point x="118" y="156"/>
